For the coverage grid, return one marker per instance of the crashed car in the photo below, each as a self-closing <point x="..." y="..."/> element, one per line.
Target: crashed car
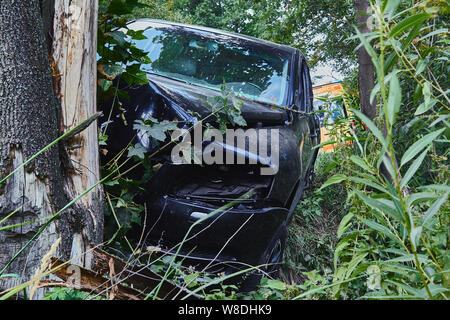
<point x="252" y="198"/>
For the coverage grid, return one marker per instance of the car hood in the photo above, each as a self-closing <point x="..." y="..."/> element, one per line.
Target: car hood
<point x="195" y="98"/>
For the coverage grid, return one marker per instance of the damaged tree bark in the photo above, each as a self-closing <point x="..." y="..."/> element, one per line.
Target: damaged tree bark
<point x="35" y="108"/>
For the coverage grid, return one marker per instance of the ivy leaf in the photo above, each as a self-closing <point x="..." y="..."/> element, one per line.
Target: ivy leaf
<point x="136" y="35"/>
<point x="111" y="183"/>
<point x="137" y="150"/>
<point x="118" y="36"/>
<point x="105" y="84"/>
<point x="110" y="71"/>
<point x="191" y="279"/>
<point x="156" y="130"/>
<point x="134" y="75"/>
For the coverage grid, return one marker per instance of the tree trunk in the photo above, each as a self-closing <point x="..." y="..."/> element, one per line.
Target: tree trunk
<point x="34" y="109"/>
<point x="74" y="52"/>
<point x="366" y="74"/>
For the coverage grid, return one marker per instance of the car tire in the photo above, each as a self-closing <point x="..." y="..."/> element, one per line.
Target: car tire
<point x="272" y="258"/>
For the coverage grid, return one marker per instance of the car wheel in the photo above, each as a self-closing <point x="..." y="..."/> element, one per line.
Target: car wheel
<point x="272" y="258"/>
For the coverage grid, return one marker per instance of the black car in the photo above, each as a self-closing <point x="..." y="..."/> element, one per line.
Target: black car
<point x="190" y="65"/>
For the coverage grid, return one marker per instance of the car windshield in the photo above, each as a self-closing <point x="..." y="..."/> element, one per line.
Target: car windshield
<point x="206" y="59"/>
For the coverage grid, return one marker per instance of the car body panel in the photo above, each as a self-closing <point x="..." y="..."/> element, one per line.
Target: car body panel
<point x="178" y="195"/>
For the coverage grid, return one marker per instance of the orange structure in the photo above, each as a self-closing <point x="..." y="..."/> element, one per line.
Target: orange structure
<point x="330" y="90"/>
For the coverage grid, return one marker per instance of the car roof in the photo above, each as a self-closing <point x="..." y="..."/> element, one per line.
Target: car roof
<point x="217" y="31"/>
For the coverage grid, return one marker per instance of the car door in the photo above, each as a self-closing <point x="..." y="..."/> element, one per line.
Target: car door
<point x="308" y="120"/>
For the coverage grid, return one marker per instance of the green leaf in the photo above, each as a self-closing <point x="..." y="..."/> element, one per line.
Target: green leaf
<point x="134" y="75"/>
<point x="438" y="187"/>
<point x="435" y="32"/>
<point x="419" y="145"/>
<point x="407" y="288"/>
<point x="105" y="84"/>
<point x="191" y="279"/>
<point x="372" y="127"/>
<point x="405" y="44"/>
<point x="424" y="107"/>
<point x="111" y="70"/>
<point x="391" y="7"/>
<point x="377" y="86"/>
<point x="156" y="130"/>
<point x="428" y="102"/>
<point x="408" y="23"/>
<point x="417" y="93"/>
<point x="275" y="285"/>
<point x="421" y="65"/>
<point x="136" y="35"/>
<point x="118" y="7"/>
<point x="326" y="143"/>
<point x="388" y="164"/>
<point x="394" y="99"/>
<point x="111" y="183"/>
<point x="138" y="150"/>
<point x="415" y="236"/>
<point x="412" y="169"/>
<point x="435" y="289"/>
<point x="370" y="50"/>
<point x="339" y="249"/>
<point x="356" y="260"/>
<point x="420" y="197"/>
<point x="380" y="206"/>
<point x="337" y="178"/>
<point x="360" y="162"/>
<point x="434" y="209"/>
<point x="343" y="225"/>
<point x="369" y="183"/>
<point x="118" y="36"/>
<point x="381" y="229"/>
<point x="409" y="257"/>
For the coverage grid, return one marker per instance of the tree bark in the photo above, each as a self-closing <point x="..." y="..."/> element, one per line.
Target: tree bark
<point x="366" y="73"/>
<point x="40" y="100"/>
<point x="366" y="76"/>
<point x="74" y="52"/>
